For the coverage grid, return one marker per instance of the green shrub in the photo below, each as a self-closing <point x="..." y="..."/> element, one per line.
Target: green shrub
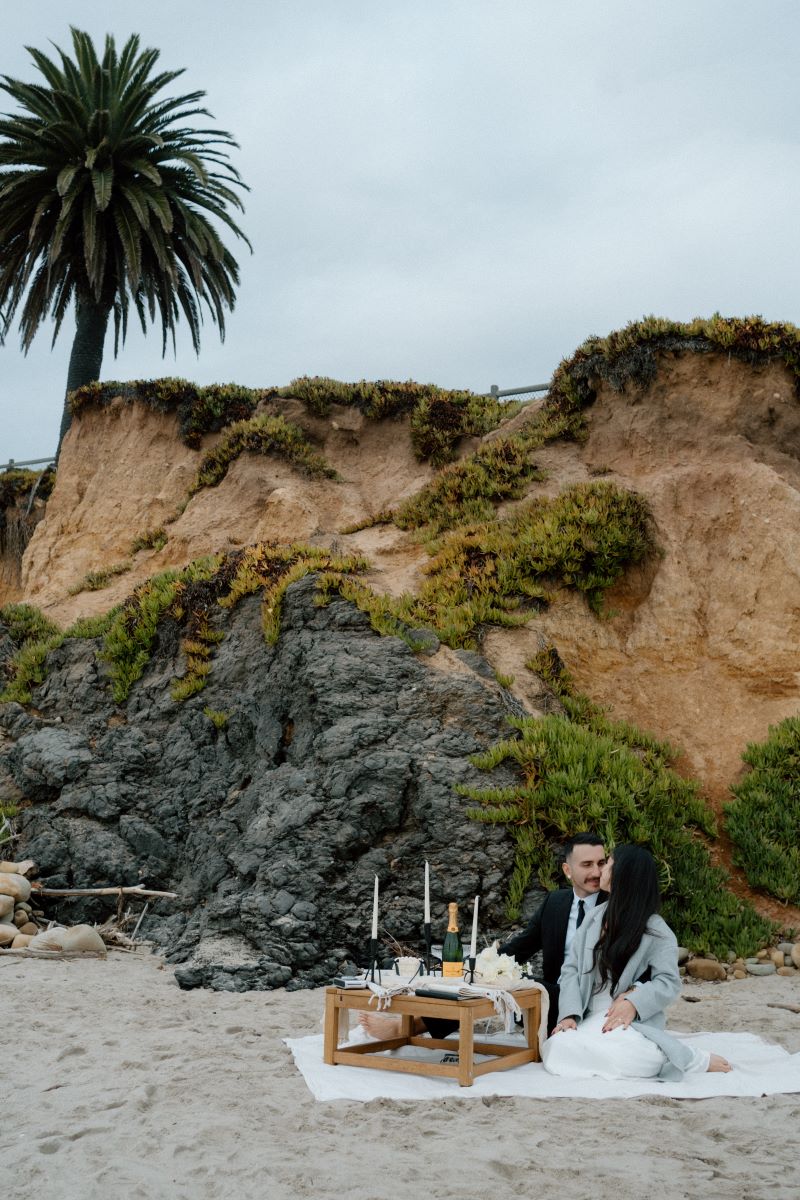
<point x="492" y="574"/>
<point x="217" y="716"/>
<point x="572" y="777"/>
<point x="269" y="568"/>
<point x="95" y="581"/>
<point x="151" y="539"/>
<point x="470" y="490"/>
<point x="129" y="639"/>
<point x="630" y="355"/>
<point x="763" y="821"/>
<point x="261" y="435"/>
<point x="438" y="417"/>
<point x="26" y="623"/>
<point x="200" y="410"/>
<point x="17" y="483"/>
<point x="36" y="636"/>
<point x="93" y="627"/>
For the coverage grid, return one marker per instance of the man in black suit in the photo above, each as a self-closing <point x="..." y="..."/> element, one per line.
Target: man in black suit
<point x="555" y="922"/>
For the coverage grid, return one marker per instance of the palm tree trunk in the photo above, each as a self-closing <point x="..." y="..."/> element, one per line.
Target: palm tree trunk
<point x="91" y="320"/>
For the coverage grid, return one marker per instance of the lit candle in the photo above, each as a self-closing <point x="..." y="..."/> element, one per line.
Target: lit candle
<point x="427" y="893"/>
<point x="375" y="912"/>
<point x="474" y="942"/>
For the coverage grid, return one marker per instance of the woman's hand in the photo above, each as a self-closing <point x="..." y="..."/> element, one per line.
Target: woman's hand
<point x="567" y="1023"/>
<point x="619" y="1015"/>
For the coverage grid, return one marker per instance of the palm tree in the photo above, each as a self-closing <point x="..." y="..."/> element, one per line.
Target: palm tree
<point x="108" y="199"/>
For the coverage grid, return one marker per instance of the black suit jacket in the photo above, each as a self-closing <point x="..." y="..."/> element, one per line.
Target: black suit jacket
<point x="546" y="931"/>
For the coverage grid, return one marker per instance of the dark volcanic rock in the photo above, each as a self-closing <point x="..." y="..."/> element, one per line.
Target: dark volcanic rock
<point x="337" y="763"/>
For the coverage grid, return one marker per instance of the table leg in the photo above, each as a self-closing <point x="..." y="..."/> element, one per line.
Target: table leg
<point x="531" y="1018"/>
<point x="466" y="1030"/>
<point x="330" y="1029"/>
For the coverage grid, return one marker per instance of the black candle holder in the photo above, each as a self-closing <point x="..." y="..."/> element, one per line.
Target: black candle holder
<point x="427" y="932"/>
<point x="471" y="960"/>
<point x="373" y="961"/>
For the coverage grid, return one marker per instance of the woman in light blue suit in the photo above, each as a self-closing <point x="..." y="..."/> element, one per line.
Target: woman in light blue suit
<point x="618" y="979"/>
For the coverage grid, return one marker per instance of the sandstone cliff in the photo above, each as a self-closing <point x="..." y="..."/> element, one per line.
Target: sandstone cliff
<point x="701" y="645"/>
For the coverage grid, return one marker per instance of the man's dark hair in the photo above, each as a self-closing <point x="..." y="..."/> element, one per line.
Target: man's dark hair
<point x="580" y="839"/>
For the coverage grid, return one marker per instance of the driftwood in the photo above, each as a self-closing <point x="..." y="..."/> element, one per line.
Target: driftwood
<point x="27" y="952"/>
<point x="145" y="893"/>
<point x="788" y="1007"/>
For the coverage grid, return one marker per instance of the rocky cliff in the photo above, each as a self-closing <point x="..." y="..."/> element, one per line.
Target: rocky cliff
<point x="330" y="758"/>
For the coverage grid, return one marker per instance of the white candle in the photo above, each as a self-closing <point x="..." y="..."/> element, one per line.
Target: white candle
<point x="375" y="912"/>
<point x="427" y="917"/>
<point x="473" y="944"/>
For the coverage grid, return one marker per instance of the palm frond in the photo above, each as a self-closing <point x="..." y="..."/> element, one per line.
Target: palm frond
<point x="109" y="195"/>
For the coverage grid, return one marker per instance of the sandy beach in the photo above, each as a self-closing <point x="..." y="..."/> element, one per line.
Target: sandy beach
<point x="119" y="1083"/>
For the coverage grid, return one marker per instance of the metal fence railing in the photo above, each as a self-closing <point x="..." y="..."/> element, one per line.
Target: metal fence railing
<point x="497" y="394"/>
<point x="12" y="465"/>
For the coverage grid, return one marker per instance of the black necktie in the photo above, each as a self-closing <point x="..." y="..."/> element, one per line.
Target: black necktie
<point x="581" y="914"/>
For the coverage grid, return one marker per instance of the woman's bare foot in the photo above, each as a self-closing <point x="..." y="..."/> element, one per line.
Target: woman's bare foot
<point x="380" y="1025"/>
<point x="718" y="1063"/>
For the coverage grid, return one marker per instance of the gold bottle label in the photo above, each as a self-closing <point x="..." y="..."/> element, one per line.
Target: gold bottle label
<point x="452" y="970"/>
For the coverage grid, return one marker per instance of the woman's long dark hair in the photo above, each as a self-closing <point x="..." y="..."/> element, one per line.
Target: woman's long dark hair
<point x="634" y="897"/>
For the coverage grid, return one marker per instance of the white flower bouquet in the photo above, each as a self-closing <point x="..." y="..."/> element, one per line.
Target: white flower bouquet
<point x="491" y="967"/>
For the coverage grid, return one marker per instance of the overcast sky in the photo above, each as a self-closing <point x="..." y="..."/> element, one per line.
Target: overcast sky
<point x="459" y="191"/>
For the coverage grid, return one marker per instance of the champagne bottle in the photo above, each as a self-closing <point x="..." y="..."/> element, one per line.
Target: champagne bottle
<point x="452" y="950"/>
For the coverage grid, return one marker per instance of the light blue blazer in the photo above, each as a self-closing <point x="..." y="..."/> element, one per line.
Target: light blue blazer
<point x="658" y="951"/>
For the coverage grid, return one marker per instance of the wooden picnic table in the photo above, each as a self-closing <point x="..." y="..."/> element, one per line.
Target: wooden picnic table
<point x="339" y="1002"/>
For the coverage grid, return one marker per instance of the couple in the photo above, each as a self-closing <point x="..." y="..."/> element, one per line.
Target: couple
<point x="619" y="973"/>
<point x="610" y="966"/>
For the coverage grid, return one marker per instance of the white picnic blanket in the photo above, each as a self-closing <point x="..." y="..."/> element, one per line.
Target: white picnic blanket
<point x="761" y="1068"/>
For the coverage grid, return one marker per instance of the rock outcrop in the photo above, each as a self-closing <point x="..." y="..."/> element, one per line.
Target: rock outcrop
<point x="332" y="759"/>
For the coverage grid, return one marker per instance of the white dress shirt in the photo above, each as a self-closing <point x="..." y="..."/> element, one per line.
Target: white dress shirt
<point x="572" y="924"/>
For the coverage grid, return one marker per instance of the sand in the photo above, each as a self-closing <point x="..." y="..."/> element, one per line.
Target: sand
<point x="119" y="1084"/>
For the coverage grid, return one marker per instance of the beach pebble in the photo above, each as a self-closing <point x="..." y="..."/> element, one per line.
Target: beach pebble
<point x="761" y="968"/>
<point x="786" y="947"/>
<point x="21" y="918"/>
<point x="7" y="934"/>
<point x="21" y="941"/>
<point x="16" y="868"/>
<point x="787" y="971"/>
<point x="30" y="928"/>
<point x="15" y="885"/>
<point x="6" y="907"/>
<point x="762" y="953"/>
<point x="740" y="973"/>
<point x="706" y="968"/>
<point x="683" y="955"/>
<point x="795" y="953"/>
<point x="778" y="957"/>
